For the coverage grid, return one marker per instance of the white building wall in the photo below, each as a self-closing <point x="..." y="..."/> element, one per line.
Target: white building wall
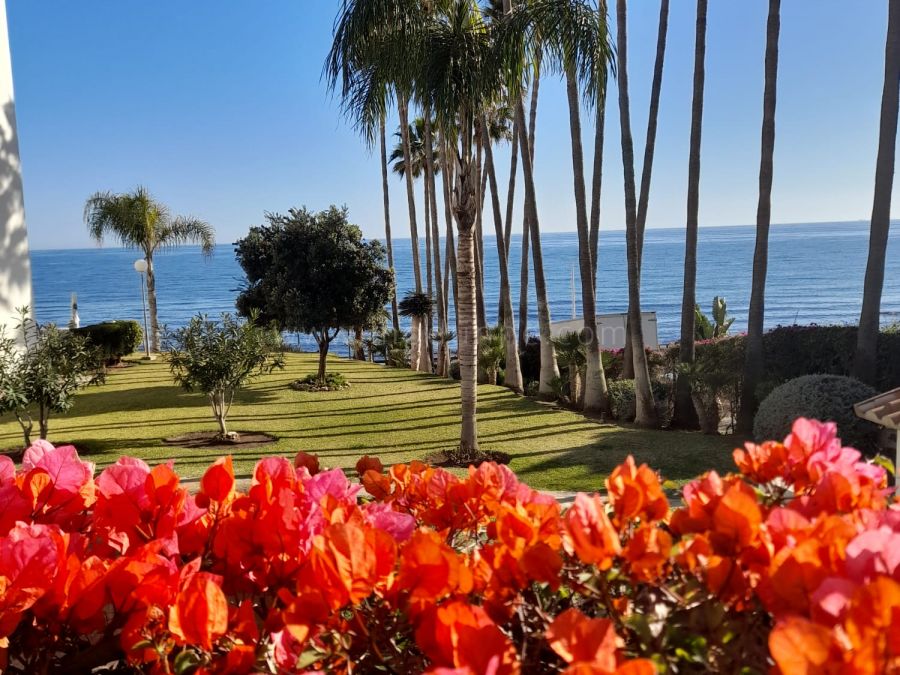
<point x="15" y="264"/>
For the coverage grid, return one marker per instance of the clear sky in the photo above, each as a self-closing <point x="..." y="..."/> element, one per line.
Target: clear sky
<point x="218" y="107"/>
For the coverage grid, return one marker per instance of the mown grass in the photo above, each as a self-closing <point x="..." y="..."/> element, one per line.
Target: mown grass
<point x="396" y="414"/>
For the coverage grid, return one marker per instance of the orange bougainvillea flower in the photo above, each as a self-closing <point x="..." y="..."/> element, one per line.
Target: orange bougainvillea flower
<point x="200" y="613"/>
<point x="367" y="463"/>
<point x="217" y="484"/>
<point x="348" y="560"/>
<point x="635" y="492"/>
<point x="460" y="635"/>
<point x="588" y="533"/>
<point x="801" y="647"/>
<point x="579" y="639"/>
<point x="647" y="553"/>
<point x="762" y="463"/>
<point x="590" y="646"/>
<point x="430" y="570"/>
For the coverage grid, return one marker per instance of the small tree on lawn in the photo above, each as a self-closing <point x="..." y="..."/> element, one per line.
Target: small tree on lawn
<point x="217" y="358"/>
<point x="40" y="373"/>
<point x="313" y="272"/>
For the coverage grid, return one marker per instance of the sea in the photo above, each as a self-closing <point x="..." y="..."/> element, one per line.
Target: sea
<point x="815" y="276"/>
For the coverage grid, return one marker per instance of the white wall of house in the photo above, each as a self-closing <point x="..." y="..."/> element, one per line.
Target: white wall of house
<point x="15" y="264"/>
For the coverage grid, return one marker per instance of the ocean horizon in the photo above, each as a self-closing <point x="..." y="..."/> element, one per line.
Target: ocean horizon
<point x="815" y="276"/>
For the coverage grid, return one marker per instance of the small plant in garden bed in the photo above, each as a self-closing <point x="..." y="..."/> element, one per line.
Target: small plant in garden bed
<point x="784" y="566"/>
<point x="332" y="382"/>
<point x="217" y="358"/>
<point x="463" y="458"/>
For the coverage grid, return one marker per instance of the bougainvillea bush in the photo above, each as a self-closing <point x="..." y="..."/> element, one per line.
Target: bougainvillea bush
<point x="791" y="564"/>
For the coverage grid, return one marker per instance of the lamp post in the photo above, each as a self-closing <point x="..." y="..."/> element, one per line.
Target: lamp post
<point x="140" y="266"/>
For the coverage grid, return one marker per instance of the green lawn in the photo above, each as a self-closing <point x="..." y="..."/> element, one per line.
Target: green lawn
<point x="396" y="414"/>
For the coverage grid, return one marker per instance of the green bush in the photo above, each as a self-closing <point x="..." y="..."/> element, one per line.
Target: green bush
<point x="621" y="399"/>
<point x="333" y="382"/>
<point x="823" y="397"/>
<point x="113" y="339"/>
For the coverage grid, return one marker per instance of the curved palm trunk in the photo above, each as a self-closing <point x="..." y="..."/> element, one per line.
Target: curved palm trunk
<point x="443" y="361"/>
<point x="685" y="416"/>
<point x="864" y="360"/>
<point x="403" y="106"/>
<point x="647" y="167"/>
<point x="513" y="374"/>
<point x="595" y="392"/>
<point x="395" y="317"/>
<point x="754" y="362"/>
<point x="511" y="192"/>
<point x="549" y="367"/>
<point x="645" y="414"/>
<point x="151" y="303"/>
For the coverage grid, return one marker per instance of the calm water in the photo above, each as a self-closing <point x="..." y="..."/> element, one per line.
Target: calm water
<point x="815" y="276"/>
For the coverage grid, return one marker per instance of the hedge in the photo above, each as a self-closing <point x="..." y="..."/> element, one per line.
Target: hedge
<point x="114" y="339"/>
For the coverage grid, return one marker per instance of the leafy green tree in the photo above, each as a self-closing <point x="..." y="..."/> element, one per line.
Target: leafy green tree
<point x="43" y="377"/>
<point x="217" y="358"/>
<point x="314" y="273"/>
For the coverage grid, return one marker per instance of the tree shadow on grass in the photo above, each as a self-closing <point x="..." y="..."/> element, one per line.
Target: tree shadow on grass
<point x="103" y="401"/>
<point x="677" y="456"/>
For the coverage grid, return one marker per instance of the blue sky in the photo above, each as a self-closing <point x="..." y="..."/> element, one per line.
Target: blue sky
<point x="218" y="107"/>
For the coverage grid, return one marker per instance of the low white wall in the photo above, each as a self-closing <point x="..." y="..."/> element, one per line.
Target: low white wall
<point x="15" y="264"/>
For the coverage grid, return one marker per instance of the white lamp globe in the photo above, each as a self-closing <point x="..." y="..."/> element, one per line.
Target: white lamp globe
<point x="140" y="265"/>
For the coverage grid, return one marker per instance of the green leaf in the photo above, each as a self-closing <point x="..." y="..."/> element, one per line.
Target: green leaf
<point x="885" y="463"/>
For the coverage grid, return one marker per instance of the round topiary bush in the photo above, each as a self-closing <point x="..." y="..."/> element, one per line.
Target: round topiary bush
<point x="823" y="397"/>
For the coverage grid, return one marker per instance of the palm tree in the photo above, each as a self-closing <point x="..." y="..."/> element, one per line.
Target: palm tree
<point x="431" y="168"/>
<point x="578" y="44"/>
<point x="597" y="177"/>
<point x="423" y="163"/>
<point x="869" y="318"/>
<point x="645" y="414"/>
<point x="685" y="415"/>
<point x="753" y="362"/>
<point x="137" y="220"/>
<point x="387" y="221"/>
<point x="492" y="352"/>
<point x="572" y="355"/>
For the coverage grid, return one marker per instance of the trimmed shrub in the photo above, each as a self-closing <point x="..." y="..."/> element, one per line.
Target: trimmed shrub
<point x="621" y="399"/>
<point x="113" y="339"/>
<point x="530" y="359"/>
<point x="333" y="382"/>
<point x="825" y="397"/>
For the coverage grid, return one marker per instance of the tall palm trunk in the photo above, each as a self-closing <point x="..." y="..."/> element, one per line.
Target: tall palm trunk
<point x="427" y="358"/>
<point x="645" y="415"/>
<point x="479" y="239"/>
<point x="443" y="355"/>
<point x="513" y="374"/>
<point x="526" y="225"/>
<point x="649" y="150"/>
<point x="511" y="192"/>
<point x="685" y="415"/>
<point x="151" y="303"/>
<point x="549" y="367"/>
<point x="465" y="196"/>
<point x="864" y="361"/>
<point x="754" y="361"/>
<point x="403" y="107"/>
<point x="450" y="275"/>
<point x="595" y="392"/>
<point x="395" y="317"/>
<point x="597" y="177"/>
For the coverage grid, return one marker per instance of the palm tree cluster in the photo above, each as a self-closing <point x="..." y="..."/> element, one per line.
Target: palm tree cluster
<point x="471" y="71"/>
